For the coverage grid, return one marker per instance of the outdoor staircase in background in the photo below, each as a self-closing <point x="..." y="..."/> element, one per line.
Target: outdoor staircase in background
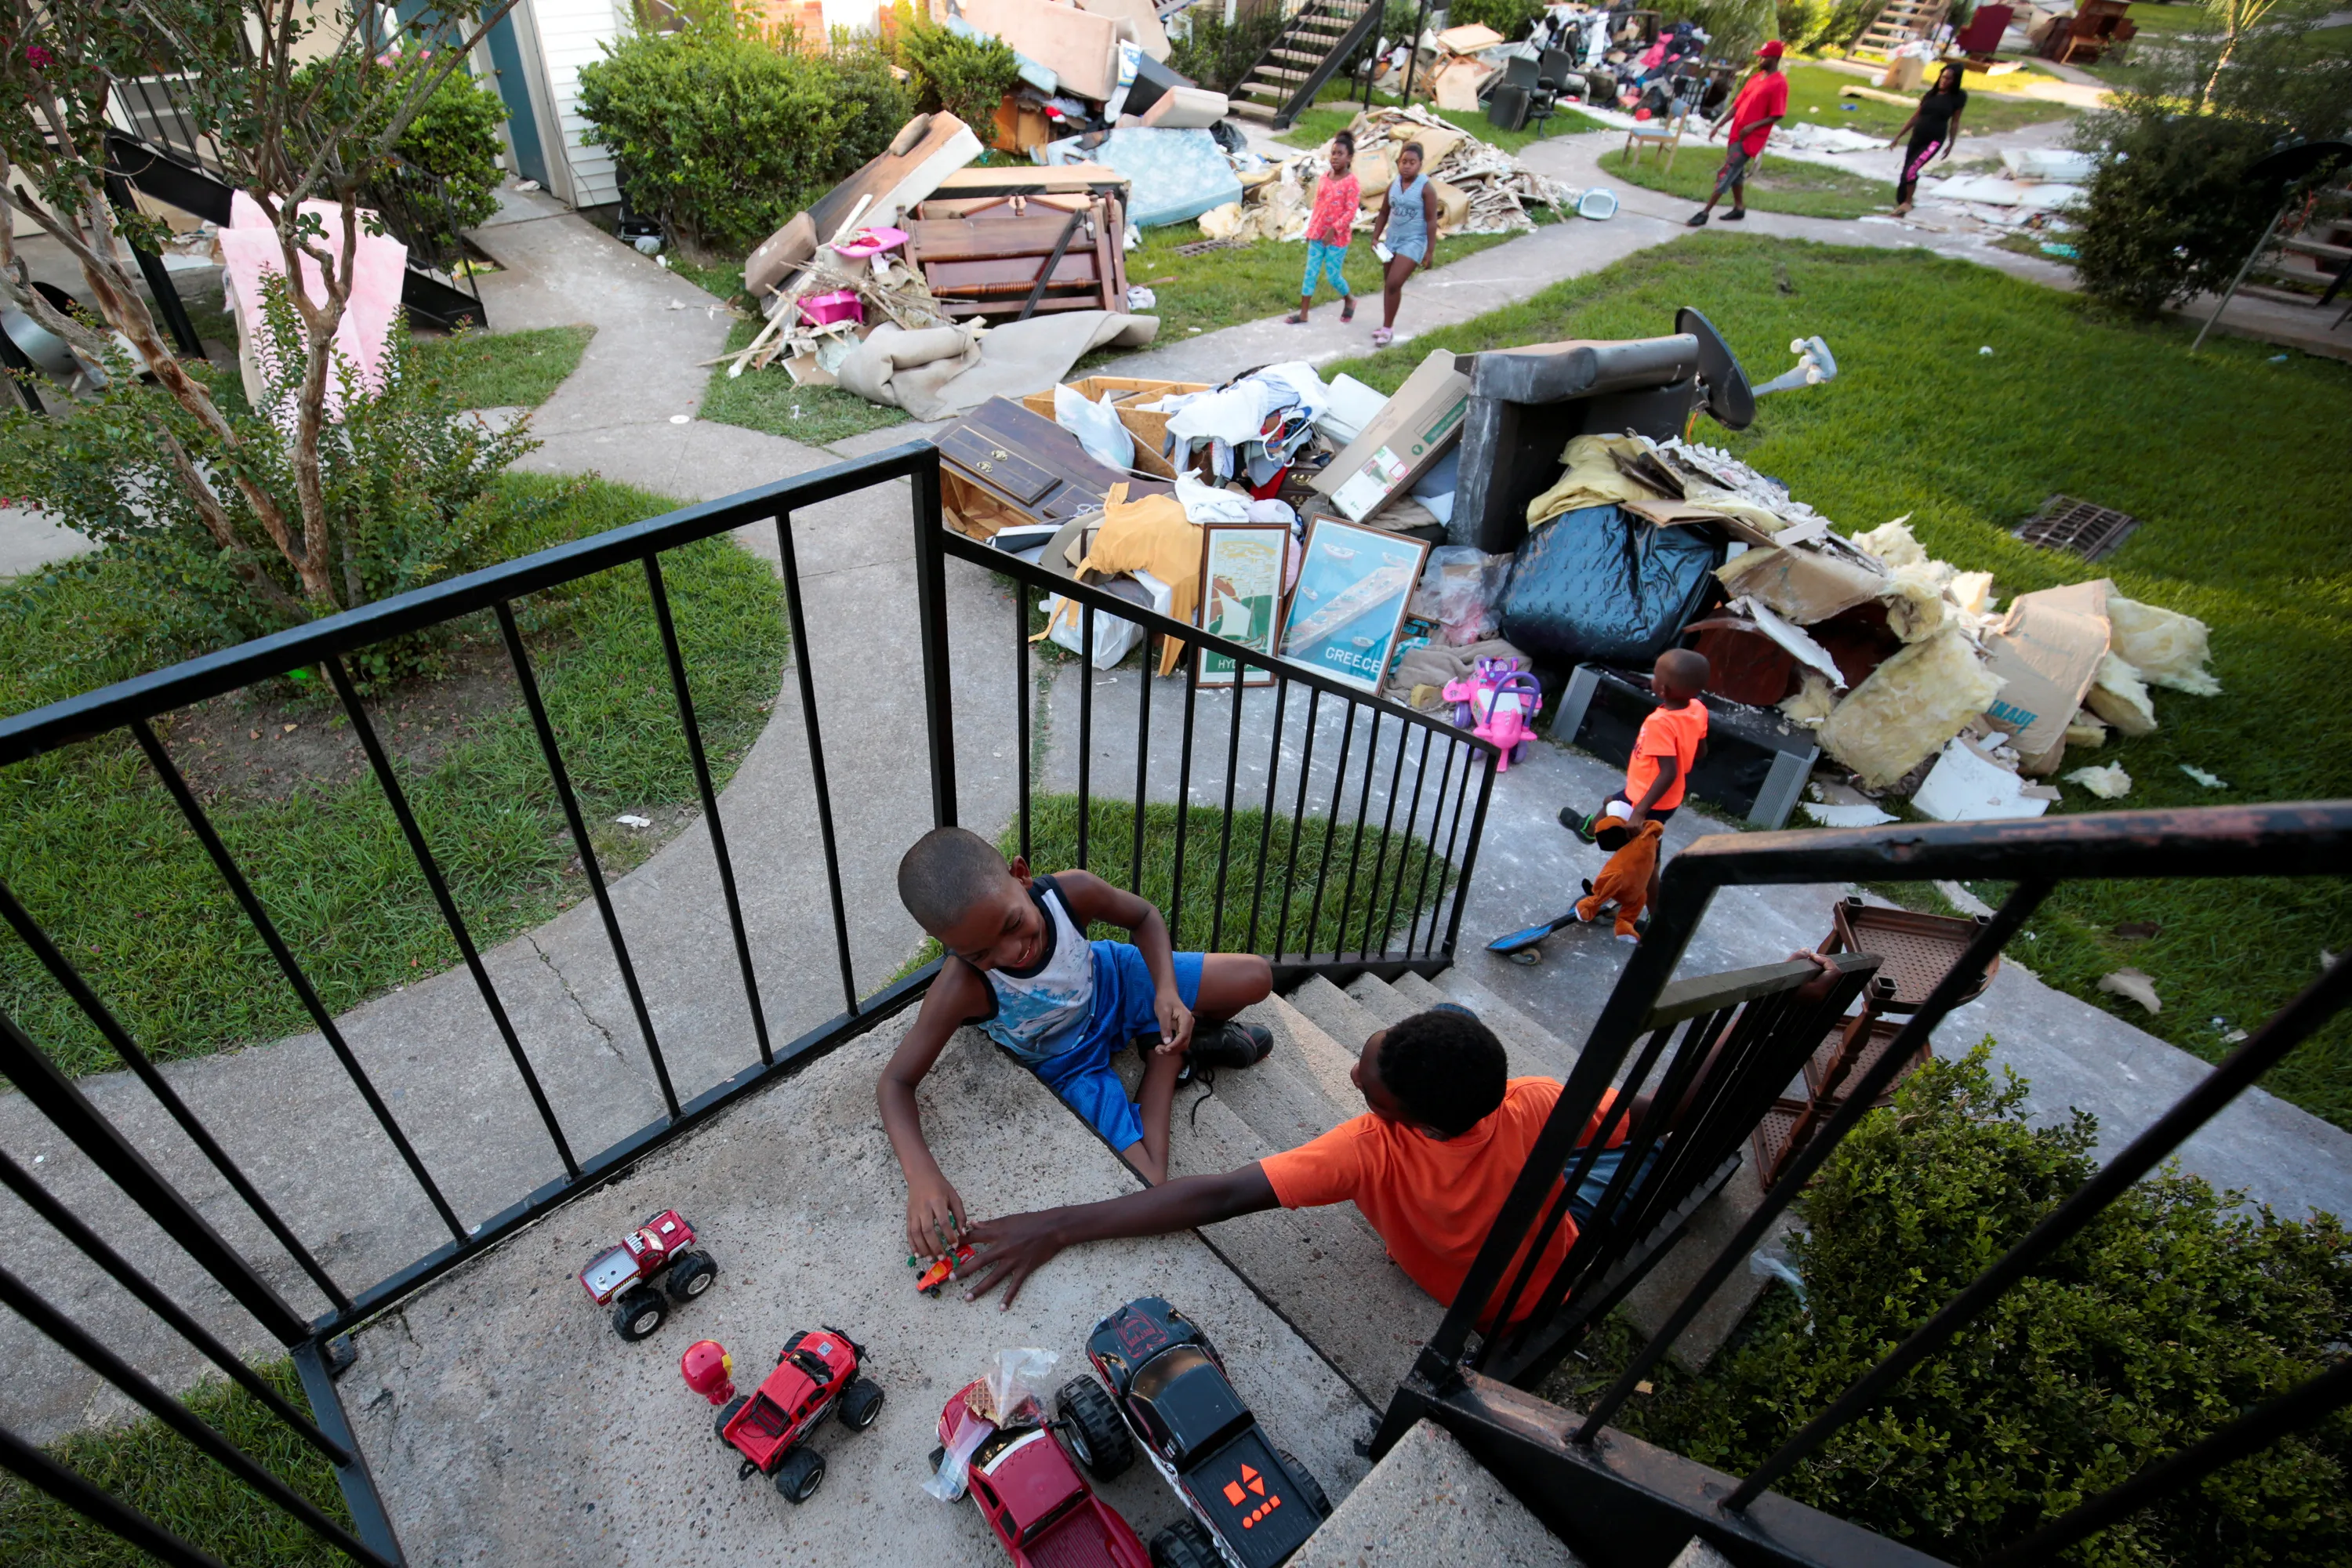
<point x="1320" y="38"/>
<point x="1899" y="22"/>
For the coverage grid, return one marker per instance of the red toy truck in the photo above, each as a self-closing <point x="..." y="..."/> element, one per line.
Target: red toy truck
<point x="816" y="1376"/>
<point x="1035" y="1500"/>
<point x="655" y="1267"/>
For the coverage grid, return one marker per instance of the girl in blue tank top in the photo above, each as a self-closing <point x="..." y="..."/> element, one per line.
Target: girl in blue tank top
<point x="1406" y="228"/>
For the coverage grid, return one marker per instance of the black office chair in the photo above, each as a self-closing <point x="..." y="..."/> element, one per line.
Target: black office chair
<point x="1543" y="100"/>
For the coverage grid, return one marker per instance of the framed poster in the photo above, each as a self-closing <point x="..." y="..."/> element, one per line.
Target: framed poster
<point x="1241" y="594"/>
<point x="1351" y="600"/>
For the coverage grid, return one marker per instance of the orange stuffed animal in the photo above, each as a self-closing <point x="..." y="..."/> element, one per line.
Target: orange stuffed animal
<point x="1625" y="881"/>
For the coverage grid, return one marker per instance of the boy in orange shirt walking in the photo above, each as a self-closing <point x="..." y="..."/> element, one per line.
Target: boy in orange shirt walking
<point x="1672" y="740"/>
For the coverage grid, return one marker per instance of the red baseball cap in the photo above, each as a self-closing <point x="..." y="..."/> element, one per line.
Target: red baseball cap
<point x="1771" y="50"/>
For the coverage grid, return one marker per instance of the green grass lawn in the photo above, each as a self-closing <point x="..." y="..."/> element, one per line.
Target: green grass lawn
<point x="504" y="369"/>
<point x="1995" y="103"/>
<point x="164" y="1476"/>
<point x="768" y="399"/>
<point x="2231" y="463"/>
<point x="94" y="848"/>
<point x="1225" y="288"/>
<point x="1783" y="186"/>
<point x="1318" y="125"/>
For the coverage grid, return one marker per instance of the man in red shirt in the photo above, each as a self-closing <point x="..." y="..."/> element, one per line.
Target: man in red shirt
<point x="1762" y="103"/>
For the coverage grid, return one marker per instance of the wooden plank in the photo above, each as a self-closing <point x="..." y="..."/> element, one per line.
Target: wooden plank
<point x="973" y="279"/>
<point x="967" y="239"/>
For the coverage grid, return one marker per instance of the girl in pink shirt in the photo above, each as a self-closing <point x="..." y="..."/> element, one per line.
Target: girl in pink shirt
<point x="1330" y="229"/>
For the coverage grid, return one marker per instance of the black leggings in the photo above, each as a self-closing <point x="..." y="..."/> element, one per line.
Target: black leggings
<point x="1924" y="147"/>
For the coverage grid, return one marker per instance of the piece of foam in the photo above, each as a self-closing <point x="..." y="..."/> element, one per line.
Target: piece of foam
<point x="1915" y="609"/>
<point x="1893" y="543"/>
<point x="2109" y="783"/>
<point x="1812" y="702"/>
<point x="2120" y="696"/>
<point x="1908" y="708"/>
<point x="2167" y="647"/>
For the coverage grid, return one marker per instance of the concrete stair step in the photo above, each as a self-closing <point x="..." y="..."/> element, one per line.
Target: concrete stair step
<point x="1249" y="111"/>
<point x="1335" y="1013"/>
<point x="1312" y="1053"/>
<point x="1518" y="1049"/>
<point x="1428" y="1504"/>
<point x="1322" y="1269"/>
<point x="1279" y="1098"/>
<point x="1381" y="998"/>
<point x="1520" y="1035"/>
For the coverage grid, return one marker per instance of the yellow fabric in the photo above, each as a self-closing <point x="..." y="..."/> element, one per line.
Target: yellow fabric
<point x="1593" y="479"/>
<point x="1150" y="535"/>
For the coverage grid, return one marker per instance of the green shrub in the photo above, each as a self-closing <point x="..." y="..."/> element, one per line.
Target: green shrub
<point x="1735" y="28"/>
<point x="2172" y="210"/>
<point x="407" y="484"/>
<point x="968" y="77"/>
<point x="1512" y="18"/>
<point x="1218" y="57"/>
<point x="721" y="137"/>
<point x="2171" y="1313"/>
<point x="454" y="138"/>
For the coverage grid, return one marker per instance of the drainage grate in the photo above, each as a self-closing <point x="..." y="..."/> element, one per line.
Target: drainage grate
<point x="1203" y="247"/>
<point x="2088" y="530"/>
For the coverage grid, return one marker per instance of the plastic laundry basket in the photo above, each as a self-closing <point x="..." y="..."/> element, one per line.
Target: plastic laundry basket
<point x="1597" y="204"/>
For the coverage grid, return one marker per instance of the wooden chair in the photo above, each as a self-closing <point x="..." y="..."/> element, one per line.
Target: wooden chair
<point x="1662" y="136"/>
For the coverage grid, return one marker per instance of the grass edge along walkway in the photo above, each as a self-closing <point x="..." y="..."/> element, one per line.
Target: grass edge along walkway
<point x="148" y="1467"/>
<point x="167" y="948"/>
<point x="2228" y="460"/>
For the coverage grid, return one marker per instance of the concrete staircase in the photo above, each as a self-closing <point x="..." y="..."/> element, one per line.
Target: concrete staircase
<point x="1310" y="49"/>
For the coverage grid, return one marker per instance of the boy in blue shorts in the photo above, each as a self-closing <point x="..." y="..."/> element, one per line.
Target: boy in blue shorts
<point x="1019" y="965"/>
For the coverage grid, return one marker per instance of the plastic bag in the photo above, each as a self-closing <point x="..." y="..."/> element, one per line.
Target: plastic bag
<point x="1096" y="427"/>
<point x="1458" y="591"/>
<point x="1113" y="637"/>
<point x="1013" y="1395"/>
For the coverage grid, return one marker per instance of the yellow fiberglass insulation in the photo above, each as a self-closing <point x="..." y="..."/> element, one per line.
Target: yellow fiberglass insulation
<point x="1915" y="609"/>
<point x="1910" y="705"/>
<point x="1893" y="543"/>
<point x="2120" y="696"/>
<point x="1813" y="700"/>
<point x="2167" y="647"/>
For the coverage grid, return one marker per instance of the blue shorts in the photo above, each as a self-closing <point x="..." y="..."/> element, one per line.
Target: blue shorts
<point x="1082" y="1074"/>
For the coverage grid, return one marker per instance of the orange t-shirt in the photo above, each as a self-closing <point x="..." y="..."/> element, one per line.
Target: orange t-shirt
<point x="1432" y="1202"/>
<point x="1667" y="732"/>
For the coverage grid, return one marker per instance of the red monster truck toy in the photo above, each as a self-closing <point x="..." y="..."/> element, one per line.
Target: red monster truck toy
<point x="659" y="1259"/>
<point x="816" y="1376"/>
<point x="1041" y="1509"/>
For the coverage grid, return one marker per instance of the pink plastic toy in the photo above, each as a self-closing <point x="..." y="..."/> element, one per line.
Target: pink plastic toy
<point x="1499" y="704"/>
<point x="841" y="305"/>
<point x="708" y="1370"/>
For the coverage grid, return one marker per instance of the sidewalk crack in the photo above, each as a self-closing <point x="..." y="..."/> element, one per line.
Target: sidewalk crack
<point x="561" y="979"/>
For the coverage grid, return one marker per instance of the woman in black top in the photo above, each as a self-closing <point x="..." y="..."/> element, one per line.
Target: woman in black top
<point x="1934" y="126"/>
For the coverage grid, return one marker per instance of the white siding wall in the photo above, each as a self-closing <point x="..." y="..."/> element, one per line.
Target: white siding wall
<point x="569" y="32"/>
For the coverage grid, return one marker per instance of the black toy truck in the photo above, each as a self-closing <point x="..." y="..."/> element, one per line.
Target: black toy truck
<point x="1253" y="1505"/>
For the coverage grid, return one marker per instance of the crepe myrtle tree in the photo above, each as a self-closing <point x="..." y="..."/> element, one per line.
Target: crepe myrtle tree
<point x="303" y="102"/>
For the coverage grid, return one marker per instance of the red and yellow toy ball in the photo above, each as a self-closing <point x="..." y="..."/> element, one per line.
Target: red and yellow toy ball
<point x="708" y="1367"/>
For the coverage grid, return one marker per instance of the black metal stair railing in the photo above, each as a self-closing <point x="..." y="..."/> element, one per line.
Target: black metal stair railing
<point x="1622" y="1503"/>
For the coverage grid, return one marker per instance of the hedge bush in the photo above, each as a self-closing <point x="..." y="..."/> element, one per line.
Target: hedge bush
<point x="968" y="77"/>
<point x="454" y="139"/>
<point x="1512" y="18"/>
<point x="721" y="136"/>
<point x="2172" y="209"/>
<point x="2170" y="1315"/>
<point x="1216" y="56"/>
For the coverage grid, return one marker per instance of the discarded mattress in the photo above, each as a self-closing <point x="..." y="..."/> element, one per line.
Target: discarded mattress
<point x="1173" y="176"/>
<point x="1081" y="47"/>
<point x="947" y="371"/>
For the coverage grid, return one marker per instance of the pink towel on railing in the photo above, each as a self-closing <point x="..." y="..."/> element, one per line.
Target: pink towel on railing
<point x="250" y="252"/>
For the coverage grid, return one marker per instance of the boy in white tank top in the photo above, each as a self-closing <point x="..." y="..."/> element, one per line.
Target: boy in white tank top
<point x="1019" y="965"/>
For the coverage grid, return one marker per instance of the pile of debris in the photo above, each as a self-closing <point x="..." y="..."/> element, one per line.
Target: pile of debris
<point x="1481" y="189"/>
<point x="1897" y="662"/>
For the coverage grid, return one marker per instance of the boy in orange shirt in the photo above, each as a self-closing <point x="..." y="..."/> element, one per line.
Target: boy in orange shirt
<point x="1428" y="1165"/>
<point x="1672" y="740"/>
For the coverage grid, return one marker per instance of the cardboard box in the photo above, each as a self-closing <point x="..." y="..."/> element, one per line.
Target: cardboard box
<point x="2047" y="653"/>
<point x="1149" y="428"/>
<point x="1412" y="430"/>
<point x="1805" y="585"/>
